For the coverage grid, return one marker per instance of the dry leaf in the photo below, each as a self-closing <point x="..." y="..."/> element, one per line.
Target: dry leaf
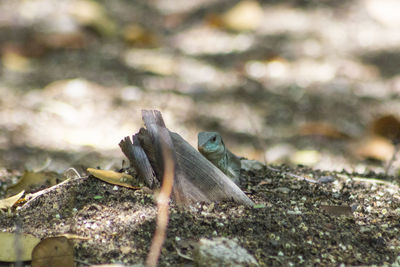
<point x="214" y="20"/>
<point x="53" y="251"/>
<point x="9" y="202"/>
<point x="387" y="126"/>
<point x="10" y="243"/>
<point x="375" y="147"/>
<point x="244" y="16"/>
<point x="70" y="40"/>
<point x="323" y="129"/>
<point x="113" y="177"/>
<point x="30" y="179"/>
<point x="337" y="210"/>
<point x="137" y="35"/>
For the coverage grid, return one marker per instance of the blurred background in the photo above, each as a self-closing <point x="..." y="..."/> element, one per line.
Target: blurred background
<point x="310" y="82"/>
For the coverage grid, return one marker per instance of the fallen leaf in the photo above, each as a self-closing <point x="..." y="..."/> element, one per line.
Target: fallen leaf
<point x="337" y="210"/>
<point x="323" y="129"/>
<point x="214" y="20"/>
<point x="31" y="179"/>
<point x="375" y="147"/>
<point x="70" y="40"/>
<point x="53" y="251"/>
<point x="244" y="16"/>
<point x="9" y="202"/>
<point x="387" y="126"/>
<point x="139" y="36"/>
<point x="28" y="48"/>
<point x="113" y="177"/>
<point x="16" y="247"/>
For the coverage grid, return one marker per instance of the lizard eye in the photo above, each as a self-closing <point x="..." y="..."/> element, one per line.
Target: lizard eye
<point x="214" y="139"/>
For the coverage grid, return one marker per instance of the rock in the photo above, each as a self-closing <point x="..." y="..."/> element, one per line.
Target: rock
<point x="326" y="179"/>
<point x="222" y="251"/>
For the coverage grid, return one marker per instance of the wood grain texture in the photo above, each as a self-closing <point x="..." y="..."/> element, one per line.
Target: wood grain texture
<point x="139" y="160"/>
<point x="195" y="178"/>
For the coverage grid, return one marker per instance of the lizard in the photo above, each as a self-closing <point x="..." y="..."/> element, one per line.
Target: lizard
<point x="212" y="147"/>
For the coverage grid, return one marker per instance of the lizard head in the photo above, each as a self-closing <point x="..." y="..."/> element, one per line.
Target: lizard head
<point x="210" y="142"/>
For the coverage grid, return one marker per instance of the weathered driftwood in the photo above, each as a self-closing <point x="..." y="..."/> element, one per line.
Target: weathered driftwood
<point x="138" y="159"/>
<point x="196" y="179"/>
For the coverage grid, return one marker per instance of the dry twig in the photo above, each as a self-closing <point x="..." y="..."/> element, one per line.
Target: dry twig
<point x="162" y="207"/>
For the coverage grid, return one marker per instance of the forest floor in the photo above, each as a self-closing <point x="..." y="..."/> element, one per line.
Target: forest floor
<point x="302" y="217"/>
<point x="312" y="83"/>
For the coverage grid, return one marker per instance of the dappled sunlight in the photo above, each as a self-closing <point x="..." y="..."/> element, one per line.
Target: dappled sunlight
<point x="309" y="88"/>
<point x="77" y="78"/>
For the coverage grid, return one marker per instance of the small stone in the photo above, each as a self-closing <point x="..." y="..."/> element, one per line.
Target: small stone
<point x="326" y="179"/>
<point x="222" y="251"/>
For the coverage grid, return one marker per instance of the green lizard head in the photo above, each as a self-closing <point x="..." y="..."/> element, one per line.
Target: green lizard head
<point x="210" y="143"/>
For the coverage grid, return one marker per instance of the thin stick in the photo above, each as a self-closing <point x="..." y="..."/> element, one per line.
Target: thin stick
<point x="162" y="207"/>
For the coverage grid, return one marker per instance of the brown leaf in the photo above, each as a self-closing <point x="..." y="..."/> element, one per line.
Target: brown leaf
<point x="387" y="126"/>
<point x="375" y="147"/>
<point x="214" y="20"/>
<point x="33" y="179"/>
<point x="113" y="177"/>
<point x="71" y="40"/>
<point x="139" y="36"/>
<point x="10" y="243"/>
<point x="323" y="129"/>
<point x="53" y="251"/>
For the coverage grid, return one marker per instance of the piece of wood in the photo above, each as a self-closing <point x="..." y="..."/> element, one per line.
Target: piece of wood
<point x="195" y="179"/>
<point x="138" y="159"/>
<point x="199" y="173"/>
<point x="159" y="136"/>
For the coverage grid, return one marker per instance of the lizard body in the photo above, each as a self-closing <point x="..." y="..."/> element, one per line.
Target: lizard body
<point x="211" y="146"/>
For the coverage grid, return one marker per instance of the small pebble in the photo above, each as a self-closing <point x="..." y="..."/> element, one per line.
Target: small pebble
<point x="326" y="179"/>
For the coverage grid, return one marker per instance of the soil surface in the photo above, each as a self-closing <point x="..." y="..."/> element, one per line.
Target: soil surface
<point x="343" y="218"/>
